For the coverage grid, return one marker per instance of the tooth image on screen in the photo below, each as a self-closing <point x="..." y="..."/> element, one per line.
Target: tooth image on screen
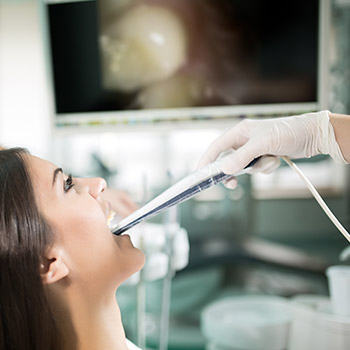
<point x="143" y="45"/>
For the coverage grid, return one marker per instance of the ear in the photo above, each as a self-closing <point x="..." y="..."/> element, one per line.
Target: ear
<point x="53" y="268"/>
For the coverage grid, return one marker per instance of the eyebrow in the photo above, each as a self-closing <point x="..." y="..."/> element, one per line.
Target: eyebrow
<point x="55" y="173"/>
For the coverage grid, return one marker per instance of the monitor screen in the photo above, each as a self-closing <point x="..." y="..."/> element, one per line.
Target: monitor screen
<point x="181" y="55"/>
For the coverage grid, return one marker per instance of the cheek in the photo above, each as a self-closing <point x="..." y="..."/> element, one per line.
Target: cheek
<point x="82" y="231"/>
<point x="94" y="255"/>
<point x="83" y="215"/>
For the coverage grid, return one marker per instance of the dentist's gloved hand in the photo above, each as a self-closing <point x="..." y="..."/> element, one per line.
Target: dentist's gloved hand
<point x="300" y="136"/>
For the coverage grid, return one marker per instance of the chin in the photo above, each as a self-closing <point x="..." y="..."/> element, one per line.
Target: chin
<point x="141" y="259"/>
<point x="136" y="261"/>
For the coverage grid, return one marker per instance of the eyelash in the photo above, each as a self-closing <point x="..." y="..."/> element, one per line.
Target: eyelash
<point x="68" y="184"/>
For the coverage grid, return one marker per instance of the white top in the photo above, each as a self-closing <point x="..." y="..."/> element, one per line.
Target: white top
<point x="131" y="346"/>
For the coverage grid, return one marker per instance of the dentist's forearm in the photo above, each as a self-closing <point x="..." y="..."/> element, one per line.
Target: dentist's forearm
<point x="341" y="126"/>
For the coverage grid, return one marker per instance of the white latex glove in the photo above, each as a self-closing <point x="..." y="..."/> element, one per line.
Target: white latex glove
<point x="300" y="136"/>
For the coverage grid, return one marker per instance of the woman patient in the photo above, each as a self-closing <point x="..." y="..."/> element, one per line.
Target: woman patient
<point x="59" y="264"/>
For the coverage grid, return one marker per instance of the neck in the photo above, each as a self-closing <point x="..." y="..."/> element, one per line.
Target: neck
<point x="86" y="323"/>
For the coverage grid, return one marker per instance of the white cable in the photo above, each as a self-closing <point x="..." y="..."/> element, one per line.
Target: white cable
<point x="320" y="201"/>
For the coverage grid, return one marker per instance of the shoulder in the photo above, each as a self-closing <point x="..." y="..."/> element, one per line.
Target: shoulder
<point x="131" y="346"/>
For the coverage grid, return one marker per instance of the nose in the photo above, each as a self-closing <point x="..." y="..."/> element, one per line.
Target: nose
<point x="94" y="185"/>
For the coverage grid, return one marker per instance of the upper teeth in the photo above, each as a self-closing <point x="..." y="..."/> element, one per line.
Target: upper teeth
<point x="110" y="217"/>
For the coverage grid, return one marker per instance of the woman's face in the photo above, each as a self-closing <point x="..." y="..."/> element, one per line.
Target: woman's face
<point x="78" y="216"/>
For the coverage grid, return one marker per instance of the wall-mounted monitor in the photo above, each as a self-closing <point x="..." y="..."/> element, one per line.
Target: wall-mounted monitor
<point x="127" y="62"/>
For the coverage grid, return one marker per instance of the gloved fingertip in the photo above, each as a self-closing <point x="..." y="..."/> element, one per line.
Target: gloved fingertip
<point x="231" y="184"/>
<point x="229" y="165"/>
<point x="203" y="161"/>
<point x="266" y="164"/>
<point x="272" y="166"/>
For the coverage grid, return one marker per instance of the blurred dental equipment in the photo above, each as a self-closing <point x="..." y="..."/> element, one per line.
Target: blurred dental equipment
<point x="339" y="289"/>
<point x="250" y="322"/>
<point x="315" y="326"/>
<point x="183" y="190"/>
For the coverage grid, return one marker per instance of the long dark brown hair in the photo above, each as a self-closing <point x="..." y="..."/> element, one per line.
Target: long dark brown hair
<point x="26" y="321"/>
